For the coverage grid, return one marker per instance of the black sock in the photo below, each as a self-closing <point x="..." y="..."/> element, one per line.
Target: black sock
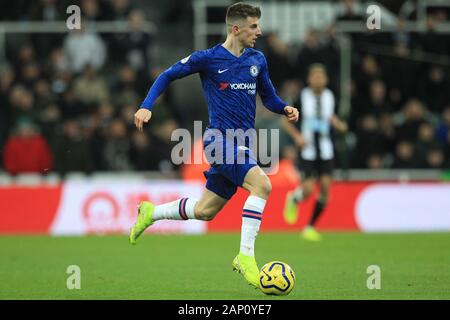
<point x="318" y="209"/>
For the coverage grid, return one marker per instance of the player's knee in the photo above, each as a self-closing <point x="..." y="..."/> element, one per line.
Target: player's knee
<point x="265" y="188"/>
<point x="204" y="213"/>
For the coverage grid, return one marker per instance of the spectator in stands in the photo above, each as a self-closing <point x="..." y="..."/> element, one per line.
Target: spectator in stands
<point x="116" y="152"/>
<point x="49" y="122"/>
<point x="413" y="115"/>
<point x="447" y="151"/>
<point x="71" y="151"/>
<point x="7" y="78"/>
<point x="161" y="134"/>
<point x="124" y="92"/>
<point x="14" y="10"/>
<point x="48" y="11"/>
<point x="378" y="103"/>
<point x="70" y="104"/>
<point x="435" y="159"/>
<point x="143" y="153"/>
<point x="6" y="83"/>
<point x="166" y="111"/>
<point x="29" y="74"/>
<point x="368" y="71"/>
<point x="443" y="128"/>
<point x="268" y="120"/>
<point x="57" y="62"/>
<point x="350" y="12"/>
<point x="374" y="161"/>
<point x="90" y="88"/>
<point x="90" y="10"/>
<point x="434" y="90"/>
<point x="133" y="48"/>
<point x="166" y="101"/>
<point x="290" y="91"/>
<point x="59" y="75"/>
<point x="106" y="114"/>
<point x="127" y="112"/>
<point x="120" y="9"/>
<point x="431" y="41"/>
<point x="370" y="68"/>
<point x="42" y="93"/>
<point x="26" y="151"/>
<point x="401" y="74"/>
<point x="278" y="60"/>
<point x="26" y="55"/>
<point x="401" y="39"/>
<point x="387" y="129"/>
<point x="404" y="156"/>
<point x="51" y="84"/>
<point x="21" y="104"/>
<point x="426" y="142"/>
<point x="310" y="53"/>
<point x="94" y="134"/>
<point x="331" y="57"/>
<point x="82" y="48"/>
<point x="369" y="140"/>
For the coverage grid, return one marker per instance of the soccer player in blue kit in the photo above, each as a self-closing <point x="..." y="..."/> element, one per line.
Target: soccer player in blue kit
<point x="231" y="74"/>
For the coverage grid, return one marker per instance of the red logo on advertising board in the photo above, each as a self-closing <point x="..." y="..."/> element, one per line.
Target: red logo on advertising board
<point x="100" y="213"/>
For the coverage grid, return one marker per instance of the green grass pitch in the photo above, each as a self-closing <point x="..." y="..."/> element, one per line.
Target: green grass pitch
<point x="169" y="267"/>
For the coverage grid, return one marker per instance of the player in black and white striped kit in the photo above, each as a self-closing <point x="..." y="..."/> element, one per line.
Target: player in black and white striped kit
<point x="313" y="138"/>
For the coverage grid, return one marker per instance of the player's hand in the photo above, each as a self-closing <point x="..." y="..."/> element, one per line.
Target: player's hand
<point x="338" y="124"/>
<point x="291" y="113"/>
<point x="140" y="117"/>
<point x="299" y="141"/>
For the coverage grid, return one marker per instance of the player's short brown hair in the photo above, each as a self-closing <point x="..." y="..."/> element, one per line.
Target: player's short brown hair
<point x="240" y="11"/>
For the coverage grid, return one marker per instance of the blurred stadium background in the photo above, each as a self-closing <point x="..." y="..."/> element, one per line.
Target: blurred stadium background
<point x="72" y="162"/>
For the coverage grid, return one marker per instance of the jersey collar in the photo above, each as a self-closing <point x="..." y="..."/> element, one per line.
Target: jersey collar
<point x="232" y="54"/>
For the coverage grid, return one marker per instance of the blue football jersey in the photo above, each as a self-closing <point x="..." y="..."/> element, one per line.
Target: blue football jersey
<point x="230" y="85"/>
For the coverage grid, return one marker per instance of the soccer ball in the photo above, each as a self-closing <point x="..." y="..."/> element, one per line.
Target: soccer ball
<point x="276" y="278"/>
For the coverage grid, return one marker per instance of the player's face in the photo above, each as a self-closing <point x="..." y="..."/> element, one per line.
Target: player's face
<point x="317" y="79"/>
<point x="249" y="31"/>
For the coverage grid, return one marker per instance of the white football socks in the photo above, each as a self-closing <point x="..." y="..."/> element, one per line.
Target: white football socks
<point x="181" y="209"/>
<point x="251" y="220"/>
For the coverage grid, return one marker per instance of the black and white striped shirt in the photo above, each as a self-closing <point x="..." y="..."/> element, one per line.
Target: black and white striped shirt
<point x="316" y="114"/>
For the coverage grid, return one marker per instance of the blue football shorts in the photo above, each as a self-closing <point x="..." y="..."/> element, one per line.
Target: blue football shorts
<point x="229" y="165"/>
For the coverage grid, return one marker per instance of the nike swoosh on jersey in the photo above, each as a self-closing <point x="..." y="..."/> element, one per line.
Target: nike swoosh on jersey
<point x="222" y="71"/>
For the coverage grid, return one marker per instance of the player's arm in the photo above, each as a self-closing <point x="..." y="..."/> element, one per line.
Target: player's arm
<point x="270" y="98"/>
<point x="189" y="65"/>
<point x="338" y="124"/>
<point x="293" y="132"/>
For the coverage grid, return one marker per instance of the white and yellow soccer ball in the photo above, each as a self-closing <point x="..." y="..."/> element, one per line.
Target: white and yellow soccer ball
<point x="276" y="278"/>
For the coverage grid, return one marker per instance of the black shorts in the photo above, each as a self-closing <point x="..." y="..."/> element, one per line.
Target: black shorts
<point x="316" y="168"/>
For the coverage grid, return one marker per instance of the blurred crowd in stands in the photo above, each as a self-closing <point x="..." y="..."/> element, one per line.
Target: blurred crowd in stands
<point x="400" y="90"/>
<point x="67" y="101"/>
